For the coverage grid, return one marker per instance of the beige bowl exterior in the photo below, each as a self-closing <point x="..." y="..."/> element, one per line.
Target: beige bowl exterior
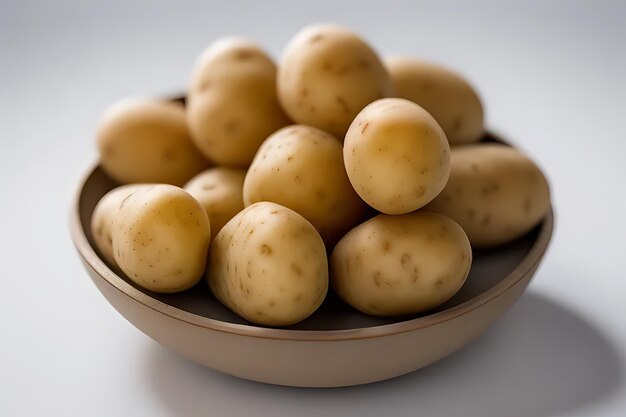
<point x="305" y="358"/>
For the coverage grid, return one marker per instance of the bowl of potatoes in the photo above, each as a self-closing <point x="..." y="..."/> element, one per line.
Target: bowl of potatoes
<point x="331" y="220"/>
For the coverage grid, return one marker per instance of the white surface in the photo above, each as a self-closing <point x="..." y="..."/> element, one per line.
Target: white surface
<point x="553" y="80"/>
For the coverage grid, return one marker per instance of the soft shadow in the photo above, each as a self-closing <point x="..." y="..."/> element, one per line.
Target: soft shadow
<point x="540" y="359"/>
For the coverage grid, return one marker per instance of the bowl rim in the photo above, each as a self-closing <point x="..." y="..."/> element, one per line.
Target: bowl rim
<point x="90" y="257"/>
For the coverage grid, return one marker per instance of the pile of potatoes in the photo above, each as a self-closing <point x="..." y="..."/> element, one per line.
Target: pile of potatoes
<point x="333" y="168"/>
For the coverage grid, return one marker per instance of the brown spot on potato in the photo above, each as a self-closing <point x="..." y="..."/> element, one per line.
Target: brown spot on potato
<point x="377" y="278"/>
<point x="266" y="249"/>
<point x="474" y="167"/>
<point x="405" y="259"/>
<point x="243" y="55"/>
<point x="208" y="187"/>
<point x="231" y="126"/>
<point x="296" y="268"/>
<point x="343" y="104"/>
<point x="327" y="66"/>
<point x="304" y="92"/>
<point x="527" y="205"/>
<point x="272" y="303"/>
<point x="386" y="246"/>
<point x="366" y="124"/>
<point x="316" y="38"/>
<point x="456" y="125"/>
<point x="421" y="190"/>
<point x="363" y="64"/>
<point x="486" y="220"/>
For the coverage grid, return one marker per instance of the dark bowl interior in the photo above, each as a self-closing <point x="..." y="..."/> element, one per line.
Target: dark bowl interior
<point x="488" y="269"/>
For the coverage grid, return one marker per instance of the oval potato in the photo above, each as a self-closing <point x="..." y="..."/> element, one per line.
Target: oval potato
<point x="449" y="98"/>
<point x="396" y="155"/>
<point x="494" y="192"/>
<point x="220" y="191"/>
<point x="147" y="141"/>
<point x="232" y="104"/>
<point x="161" y="238"/>
<point x="327" y="75"/>
<point x="398" y="265"/>
<point x="268" y="264"/>
<point x="104" y="217"/>
<point x="301" y="167"/>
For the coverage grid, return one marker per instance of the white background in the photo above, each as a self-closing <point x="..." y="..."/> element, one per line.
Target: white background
<point x="553" y="79"/>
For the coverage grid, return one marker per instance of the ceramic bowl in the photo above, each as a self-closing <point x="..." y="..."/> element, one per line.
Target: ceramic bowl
<point x="336" y="346"/>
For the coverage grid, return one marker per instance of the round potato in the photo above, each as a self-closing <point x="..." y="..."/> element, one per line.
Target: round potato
<point x="147" y="141"/>
<point x="397" y="265"/>
<point x="396" y="155"/>
<point x="161" y="238"/>
<point x="268" y="264"/>
<point x="220" y="191"/>
<point x="232" y="104"/>
<point x="301" y="167"/>
<point x="444" y="94"/>
<point x="104" y="216"/>
<point x="495" y="193"/>
<point x="327" y="75"/>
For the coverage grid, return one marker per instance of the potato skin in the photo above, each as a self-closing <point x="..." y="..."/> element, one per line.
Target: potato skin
<point x="396" y="156"/>
<point x="147" y="141"/>
<point x="268" y="264"/>
<point x="398" y="265"/>
<point x="327" y="75"/>
<point x="494" y="192"/>
<point x="301" y="167"/>
<point x="161" y="238"/>
<point x="220" y="191"/>
<point x="449" y="98"/>
<point x="104" y="217"/>
<point x="231" y="103"/>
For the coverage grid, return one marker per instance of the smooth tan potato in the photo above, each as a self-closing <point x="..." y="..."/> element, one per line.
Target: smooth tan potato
<point x="232" y="104"/>
<point x="147" y="141"/>
<point x="268" y="264"/>
<point x="495" y="193"/>
<point x="220" y="191"/>
<point x="396" y="155"/>
<point x="161" y="238"/>
<point x="301" y="167"/>
<point x="327" y="75"/>
<point x="104" y="216"/>
<point x="443" y="93"/>
<point x="397" y="265"/>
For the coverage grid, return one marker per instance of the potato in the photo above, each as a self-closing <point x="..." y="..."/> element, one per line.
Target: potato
<point x="301" y="167"/>
<point x="327" y="75"/>
<point x="396" y="155"/>
<point x="104" y="216"/>
<point x="268" y="264"/>
<point x="147" y="141"/>
<point x="232" y="104"/>
<point x="444" y="94"/>
<point x="495" y="193"/>
<point x="397" y="265"/>
<point x="220" y="191"/>
<point x="161" y="238"/>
